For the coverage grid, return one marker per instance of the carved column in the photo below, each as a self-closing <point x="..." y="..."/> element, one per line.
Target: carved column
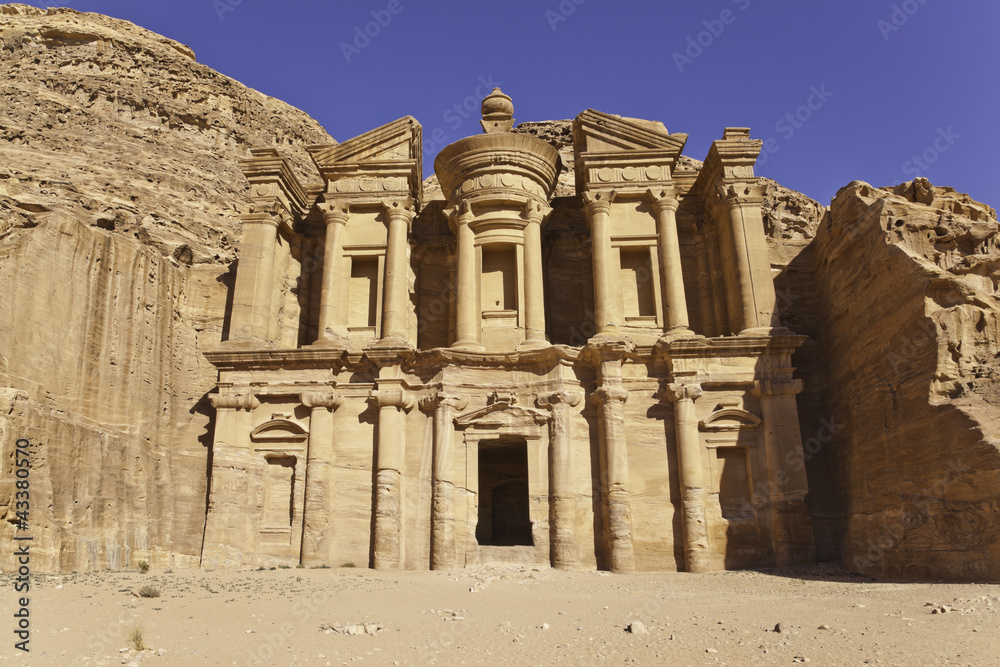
<point x="675" y="311"/>
<point x="755" y="285"/>
<point x="787" y="482"/>
<point x="562" y="546"/>
<point x="393" y="403"/>
<point x="534" y="289"/>
<point x="610" y="399"/>
<point x="468" y="318"/>
<point x="598" y="209"/>
<point x="332" y="322"/>
<point x="228" y="524"/>
<point x="317" y="512"/>
<point x="444" y="406"/>
<point x="697" y="552"/>
<point x="255" y="278"/>
<point x="395" y="291"/>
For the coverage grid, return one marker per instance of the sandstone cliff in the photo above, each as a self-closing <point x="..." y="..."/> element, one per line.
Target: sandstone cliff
<point x="907" y="281"/>
<point x="120" y="195"/>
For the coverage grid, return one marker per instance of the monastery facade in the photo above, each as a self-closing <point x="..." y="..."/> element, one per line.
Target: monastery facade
<point x="564" y="357"/>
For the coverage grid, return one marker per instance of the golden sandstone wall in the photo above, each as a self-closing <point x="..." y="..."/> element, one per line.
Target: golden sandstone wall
<point x="120" y="196"/>
<point x="120" y="204"/>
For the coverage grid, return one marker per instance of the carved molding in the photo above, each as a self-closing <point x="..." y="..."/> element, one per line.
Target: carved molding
<point x="316" y="399"/>
<point x="560" y="397"/>
<point x="682" y="392"/>
<point x="234" y="401"/>
<point x="610" y="393"/>
<point x="397" y="398"/>
<point x="432" y="402"/>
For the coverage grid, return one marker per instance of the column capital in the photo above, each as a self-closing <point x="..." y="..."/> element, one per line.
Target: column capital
<point x="561" y="397"/>
<point x="262" y="217"/>
<point x="234" y="401"/>
<point x="335" y="213"/>
<point x="442" y="399"/>
<point x="678" y="391"/>
<point x="535" y="212"/>
<point x="460" y="214"/>
<point x="318" y="399"/>
<point x="400" y="208"/>
<point x="663" y="199"/>
<point x="394" y="398"/>
<point x="607" y="393"/>
<point x="777" y="387"/>
<point x="597" y="201"/>
<point x="735" y="195"/>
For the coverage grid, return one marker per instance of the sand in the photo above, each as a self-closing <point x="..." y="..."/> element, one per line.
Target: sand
<point x="496" y="614"/>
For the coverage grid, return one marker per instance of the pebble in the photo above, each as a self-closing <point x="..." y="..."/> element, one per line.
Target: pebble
<point x="824" y="627"/>
<point x="779" y="627"/>
<point x="637" y="628"/>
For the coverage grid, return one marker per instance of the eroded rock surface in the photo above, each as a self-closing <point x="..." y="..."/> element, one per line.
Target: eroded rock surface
<point x="120" y="195"/>
<point x="908" y="281"/>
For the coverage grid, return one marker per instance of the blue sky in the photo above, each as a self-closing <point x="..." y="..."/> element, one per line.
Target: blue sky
<point x="876" y="90"/>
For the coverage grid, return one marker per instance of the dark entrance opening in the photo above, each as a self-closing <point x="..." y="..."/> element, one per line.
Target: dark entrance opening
<point x="504" y="518"/>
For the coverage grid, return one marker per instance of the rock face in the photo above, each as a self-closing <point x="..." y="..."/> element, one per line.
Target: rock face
<point x="120" y="196"/>
<point x="907" y="278"/>
<point x="574" y="348"/>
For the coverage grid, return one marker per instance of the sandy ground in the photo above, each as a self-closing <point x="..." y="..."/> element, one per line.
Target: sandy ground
<point x="505" y="615"/>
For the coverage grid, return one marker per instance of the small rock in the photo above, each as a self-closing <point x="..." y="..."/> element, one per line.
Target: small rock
<point x="545" y="626"/>
<point x="779" y="627"/>
<point x="711" y="650"/>
<point x="636" y="628"/>
<point x="824" y="627"/>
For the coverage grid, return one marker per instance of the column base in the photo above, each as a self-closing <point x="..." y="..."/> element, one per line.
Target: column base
<point x="767" y="331"/>
<point x="533" y="344"/>
<point x="332" y="340"/>
<point x="467" y="346"/>
<point x="678" y="332"/>
<point x="392" y="343"/>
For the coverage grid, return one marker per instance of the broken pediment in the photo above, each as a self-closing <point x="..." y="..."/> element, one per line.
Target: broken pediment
<point x="385" y="160"/>
<point x="623" y="154"/>
<point x="598" y="132"/>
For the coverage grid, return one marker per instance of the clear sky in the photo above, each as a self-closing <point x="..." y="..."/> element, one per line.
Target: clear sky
<point x="876" y="90"/>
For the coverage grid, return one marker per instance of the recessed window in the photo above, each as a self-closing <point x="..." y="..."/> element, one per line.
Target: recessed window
<point x="363" y="301"/>
<point x="499" y="286"/>
<point x="637" y="277"/>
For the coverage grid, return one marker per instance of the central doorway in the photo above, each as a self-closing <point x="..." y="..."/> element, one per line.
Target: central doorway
<point x="504" y="514"/>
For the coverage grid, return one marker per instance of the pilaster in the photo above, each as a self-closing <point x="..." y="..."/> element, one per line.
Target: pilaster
<point x="317" y="522"/>
<point x="393" y="403"/>
<point x="562" y="508"/>
<point x="443" y="405"/>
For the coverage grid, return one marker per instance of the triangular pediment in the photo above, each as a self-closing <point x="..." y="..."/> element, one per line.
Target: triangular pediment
<point x="502" y="414"/>
<point x="398" y="140"/>
<point x="599" y="132"/>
